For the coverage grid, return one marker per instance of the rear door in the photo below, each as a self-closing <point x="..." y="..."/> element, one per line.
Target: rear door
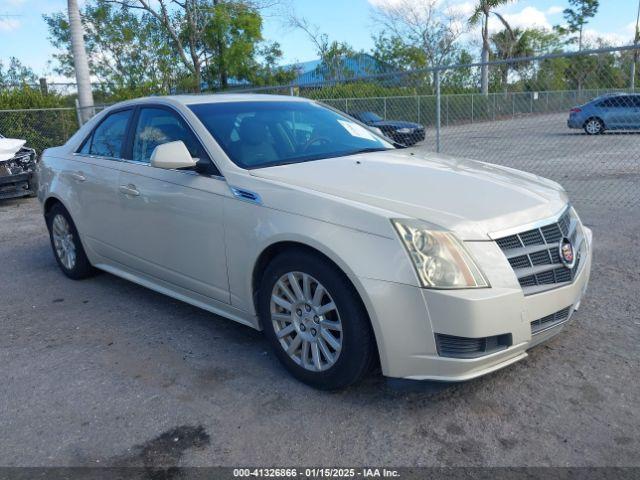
<point x="94" y="176"/>
<point x="171" y="221"/>
<point x="614" y="112"/>
<point x="633" y="118"/>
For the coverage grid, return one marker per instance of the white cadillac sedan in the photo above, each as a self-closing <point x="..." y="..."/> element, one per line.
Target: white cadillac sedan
<point x="290" y="217"/>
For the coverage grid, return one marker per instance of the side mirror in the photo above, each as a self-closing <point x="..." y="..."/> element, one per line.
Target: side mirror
<point x="172" y="155"/>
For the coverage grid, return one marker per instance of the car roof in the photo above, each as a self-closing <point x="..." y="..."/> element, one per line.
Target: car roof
<point x="217" y="98"/>
<point x="616" y="94"/>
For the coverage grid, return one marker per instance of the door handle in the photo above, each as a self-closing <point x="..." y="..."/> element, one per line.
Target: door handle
<point x="78" y="176"/>
<point x="129" y="190"/>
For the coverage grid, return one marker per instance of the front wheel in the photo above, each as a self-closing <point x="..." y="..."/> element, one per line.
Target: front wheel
<point x="315" y="321"/>
<point x="594" y="126"/>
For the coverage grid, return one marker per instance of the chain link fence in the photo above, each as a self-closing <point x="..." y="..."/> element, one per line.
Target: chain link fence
<point x="42" y="127"/>
<point x="520" y="119"/>
<point x="571" y="117"/>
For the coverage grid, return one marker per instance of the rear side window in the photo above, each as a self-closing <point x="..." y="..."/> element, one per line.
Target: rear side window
<point x="108" y="138"/>
<point x="614" y="102"/>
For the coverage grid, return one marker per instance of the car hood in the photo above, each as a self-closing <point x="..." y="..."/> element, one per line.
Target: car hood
<point x="395" y="124"/>
<point x="471" y="198"/>
<point x="9" y="147"/>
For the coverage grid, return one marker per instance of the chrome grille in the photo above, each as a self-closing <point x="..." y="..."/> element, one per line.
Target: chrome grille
<point x="535" y="258"/>
<point x="549" y="321"/>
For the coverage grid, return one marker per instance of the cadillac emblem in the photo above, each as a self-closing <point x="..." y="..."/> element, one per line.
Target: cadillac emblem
<point x="567" y="255"/>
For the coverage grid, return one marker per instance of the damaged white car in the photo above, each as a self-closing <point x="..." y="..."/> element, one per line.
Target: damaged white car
<point x="17" y="169"/>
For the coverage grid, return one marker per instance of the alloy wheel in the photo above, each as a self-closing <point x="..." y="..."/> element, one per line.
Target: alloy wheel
<point x="63" y="242"/>
<point x="593" y="127"/>
<point x="306" y="321"/>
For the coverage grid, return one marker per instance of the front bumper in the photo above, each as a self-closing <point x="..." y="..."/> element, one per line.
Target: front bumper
<point x="14" y="186"/>
<point x="409" y="139"/>
<point x="406" y="319"/>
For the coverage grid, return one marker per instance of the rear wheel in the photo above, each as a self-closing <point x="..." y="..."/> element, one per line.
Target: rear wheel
<point x="66" y="245"/>
<point x="594" y="126"/>
<point x="315" y="321"/>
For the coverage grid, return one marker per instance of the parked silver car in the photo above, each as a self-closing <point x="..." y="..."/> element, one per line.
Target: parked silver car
<point x="617" y="111"/>
<point x="289" y="217"/>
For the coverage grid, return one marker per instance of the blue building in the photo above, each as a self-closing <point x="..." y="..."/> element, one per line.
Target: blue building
<point x="356" y="66"/>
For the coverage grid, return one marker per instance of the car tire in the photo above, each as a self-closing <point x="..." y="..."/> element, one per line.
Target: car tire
<point x="65" y="242"/>
<point x="330" y="349"/>
<point x="594" y="126"/>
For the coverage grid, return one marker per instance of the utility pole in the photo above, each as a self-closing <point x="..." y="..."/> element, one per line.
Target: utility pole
<point x="80" y="62"/>
<point x="636" y="41"/>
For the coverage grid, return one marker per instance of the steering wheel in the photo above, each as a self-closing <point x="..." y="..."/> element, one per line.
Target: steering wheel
<point x="320" y="140"/>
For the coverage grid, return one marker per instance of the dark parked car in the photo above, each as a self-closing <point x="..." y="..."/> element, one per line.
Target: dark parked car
<point x="407" y="133"/>
<point x="617" y="111"/>
<point x="17" y="169"/>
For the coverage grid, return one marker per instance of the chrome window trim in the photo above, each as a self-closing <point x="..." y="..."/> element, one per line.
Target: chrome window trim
<point x="187" y="172"/>
<point x="100" y="157"/>
<point x="123" y="160"/>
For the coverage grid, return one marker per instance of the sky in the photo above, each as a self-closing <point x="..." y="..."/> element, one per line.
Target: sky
<point x="23" y="33"/>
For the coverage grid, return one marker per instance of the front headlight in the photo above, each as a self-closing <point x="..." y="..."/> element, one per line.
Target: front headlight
<point x="573" y="217"/>
<point x="405" y="130"/>
<point x="440" y="259"/>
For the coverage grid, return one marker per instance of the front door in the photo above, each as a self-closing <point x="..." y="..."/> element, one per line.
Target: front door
<point x="172" y="220"/>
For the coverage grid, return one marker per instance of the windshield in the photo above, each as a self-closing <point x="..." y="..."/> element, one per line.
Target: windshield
<point x="268" y="133"/>
<point x="368" y="117"/>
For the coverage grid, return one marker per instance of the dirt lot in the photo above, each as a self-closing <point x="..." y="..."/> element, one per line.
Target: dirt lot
<point x="104" y="372"/>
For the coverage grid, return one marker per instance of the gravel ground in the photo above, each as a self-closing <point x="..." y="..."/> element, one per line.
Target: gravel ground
<point x="104" y="372"/>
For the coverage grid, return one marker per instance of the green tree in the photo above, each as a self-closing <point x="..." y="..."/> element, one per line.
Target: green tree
<point x="187" y="24"/>
<point x="481" y="15"/>
<point x="393" y="50"/>
<point x="16" y="74"/>
<point x="268" y="71"/>
<point x="461" y="79"/>
<point x="232" y="33"/>
<point x="133" y="45"/>
<point x="577" y="17"/>
<point x="126" y="51"/>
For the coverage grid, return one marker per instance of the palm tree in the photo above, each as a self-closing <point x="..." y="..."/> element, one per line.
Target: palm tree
<point x="80" y="62"/>
<point x="483" y="11"/>
<point x="510" y="43"/>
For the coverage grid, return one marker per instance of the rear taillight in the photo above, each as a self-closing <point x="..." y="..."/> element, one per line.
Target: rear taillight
<point x="575" y="110"/>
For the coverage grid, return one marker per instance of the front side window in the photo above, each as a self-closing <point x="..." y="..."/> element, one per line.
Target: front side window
<point x="269" y="133"/>
<point x="108" y="138"/>
<point x="157" y="126"/>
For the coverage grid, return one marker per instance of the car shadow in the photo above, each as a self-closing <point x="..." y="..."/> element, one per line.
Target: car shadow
<point x="604" y="134"/>
<point x="248" y="358"/>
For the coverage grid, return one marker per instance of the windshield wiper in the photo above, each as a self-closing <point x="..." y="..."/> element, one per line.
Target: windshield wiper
<point x="363" y="150"/>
